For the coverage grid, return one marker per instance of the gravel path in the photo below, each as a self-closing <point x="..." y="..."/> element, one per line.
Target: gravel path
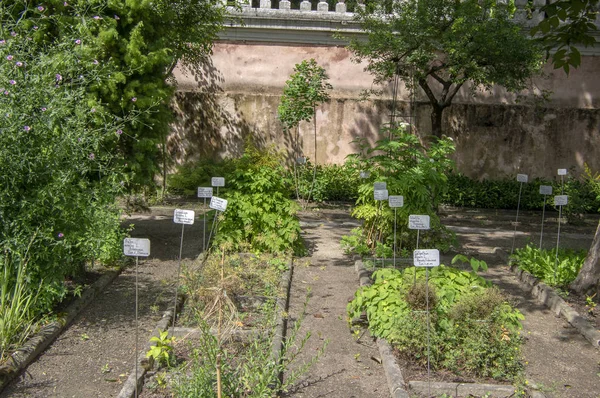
<point x="349" y="367"/>
<point x="94" y="356"/>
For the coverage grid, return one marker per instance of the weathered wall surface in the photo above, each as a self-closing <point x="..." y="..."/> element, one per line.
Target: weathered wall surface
<point x="237" y="95"/>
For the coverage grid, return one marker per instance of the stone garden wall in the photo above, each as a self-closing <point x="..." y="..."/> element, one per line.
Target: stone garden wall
<point x="236" y="94"/>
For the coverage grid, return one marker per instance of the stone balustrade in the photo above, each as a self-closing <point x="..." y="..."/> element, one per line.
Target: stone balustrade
<point x="276" y="21"/>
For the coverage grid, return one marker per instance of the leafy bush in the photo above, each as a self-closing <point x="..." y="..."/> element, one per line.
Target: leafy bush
<point x="504" y="194"/>
<point x="191" y="175"/>
<point x="409" y="169"/>
<point x="474" y="331"/>
<point x="260" y="216"/>
<point x="333" y="182"/>
<point x="59" y="175"/>
<point x="542" y="264"/>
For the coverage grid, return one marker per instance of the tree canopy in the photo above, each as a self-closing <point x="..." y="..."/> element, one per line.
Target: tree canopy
<point x="445" y="44"/>
<point x="567" y="23"/>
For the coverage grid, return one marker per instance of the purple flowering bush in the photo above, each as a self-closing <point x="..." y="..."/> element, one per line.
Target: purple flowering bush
<point x="59" y="176"/>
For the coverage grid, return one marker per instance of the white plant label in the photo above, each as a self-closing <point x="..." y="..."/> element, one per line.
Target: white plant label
<point x="396" y="201"/>
<point x="380" y="194"/>
<point x="217" y="203"/>
<point x="365" y="174"/>
<point x="426" y="258"/>
<point x="183" y="217"/>
<point x="561" y="200"/>
<point x="522" y="177"/>
<point x="418" y="221"/>
<point x="217" y="181"/>
<point x="301" y="160"/>
<point x="205" y="192"/>
<point x="136" y="247"/>
<point x="562" y="172"/>
<point x="545" y="189"/>
<point x="379" y="186"/>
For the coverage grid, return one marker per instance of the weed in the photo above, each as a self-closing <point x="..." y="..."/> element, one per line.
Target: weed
<point x="162" y="350"/>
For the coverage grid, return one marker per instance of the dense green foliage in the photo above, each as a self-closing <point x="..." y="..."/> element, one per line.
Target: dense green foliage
<point x="439" y="45"/>
<point x="416" y="172"/>
<point x="474" y="331"/>
<point x="333" y="183"/>
<point x="60" y="176"/>
<point x="260" y="215"/>
<point x="142" y="41"/>
<point x="504" y="194"/>
<point x="543" y="264"/>
<point x="567" y="23"/>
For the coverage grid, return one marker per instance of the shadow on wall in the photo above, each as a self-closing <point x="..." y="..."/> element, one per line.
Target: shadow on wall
<point x="208" y="123"/>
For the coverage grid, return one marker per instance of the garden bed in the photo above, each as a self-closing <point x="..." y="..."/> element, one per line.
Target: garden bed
<point x="231" y="317"/>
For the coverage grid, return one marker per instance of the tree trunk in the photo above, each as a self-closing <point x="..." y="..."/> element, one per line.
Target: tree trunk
<point x="436" y="120"/>
<point x="588" y="280"/>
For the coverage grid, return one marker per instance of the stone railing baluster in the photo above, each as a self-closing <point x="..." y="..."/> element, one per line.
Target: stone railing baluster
<point x="323" y="6"/>
<point x="285" y="5"/>
<point x="340" y="6"/>
<point x="265" y="3"/>
<point x="305" y="6"/>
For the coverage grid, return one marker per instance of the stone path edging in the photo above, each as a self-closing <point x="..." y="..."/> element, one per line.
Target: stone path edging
<point x="399" y="389"/>
<point x="128" y="390"/>
<point x="548" y="296"/>
<point x="41" y="340"/>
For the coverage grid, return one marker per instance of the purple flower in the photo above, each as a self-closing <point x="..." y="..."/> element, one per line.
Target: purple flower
<point x="26" y="128"/>
<point x="96" y="62"/>
<point x="134" y="99"/>
<point x="12" y="82"/>
<point x="93" y="110"/>
<point x="79" y="139"/>
<point x="5" y="92"/>
<point x="13" y="33"/>
<point x="40" y="8"/>
<point x="96" y="17"/>
<point x="92" y="156"/>
<point x="44" y="109"/>
<point x="35" y="28"/>
<point x="60" y="235"/>
<point x="9" y="57"/>
<point x="78" y="41"/>
<point x="119" y="132"/>
<point x="117" y="17"/>
<point x="58" y="77"/>
<point x="19" y="64"/>
<point x="2" y="41"/>
<point x="65" y="4"/>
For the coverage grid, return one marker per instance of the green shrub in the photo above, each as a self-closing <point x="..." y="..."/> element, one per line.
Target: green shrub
<point x="191" y="175"/>
<point x="416" y="172"/>
<point x="333" y="182"/>
<point x="60" y="176"/>
<point x="474" y="331"/>
<point x="504" y="194"/>
<point x="542" y="264"/>
<point x="260" y="215"/>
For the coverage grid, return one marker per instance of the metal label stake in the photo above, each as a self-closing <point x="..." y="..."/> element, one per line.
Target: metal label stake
<point x="427" y="258"/>
<point x="418" y="222"/>
<point x="217" y="182"/>
<point x="562" y="173"/>
<point x="395" y="202"/>
<point x="220" y="205"/>
<point x="522" y="178"/>
<point x="560" y="201"/>
<point x="380" y="193"/>
<point x="135" y="247"/>
<point x="204" y="192"/>
<point x="544" y="190"/>
<point x="183" y="217"/>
